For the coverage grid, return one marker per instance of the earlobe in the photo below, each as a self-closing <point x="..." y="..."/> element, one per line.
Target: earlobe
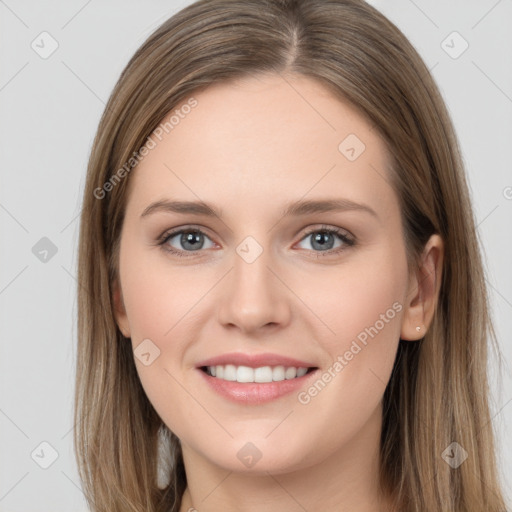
<point x="120" y="310"/>
<point x="423" y="292"/>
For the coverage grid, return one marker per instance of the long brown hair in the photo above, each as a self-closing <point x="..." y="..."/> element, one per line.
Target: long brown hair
<point x="438" y="392"/>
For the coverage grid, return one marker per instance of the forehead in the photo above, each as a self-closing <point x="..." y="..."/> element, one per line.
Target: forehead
<point x="267" y="138"/>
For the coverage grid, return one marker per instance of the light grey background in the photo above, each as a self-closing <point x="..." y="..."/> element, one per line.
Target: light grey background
<point x="50" y="109"/>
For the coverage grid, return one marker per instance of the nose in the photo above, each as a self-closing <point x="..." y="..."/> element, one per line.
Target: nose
<point x="254" y="297"/>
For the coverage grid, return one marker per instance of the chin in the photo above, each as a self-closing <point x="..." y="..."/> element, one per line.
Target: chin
<point x="260" y="456"/>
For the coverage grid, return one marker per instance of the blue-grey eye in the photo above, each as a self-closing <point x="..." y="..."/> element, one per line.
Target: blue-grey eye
<point x="324" y="240"/>
<point x="190" y="240"/>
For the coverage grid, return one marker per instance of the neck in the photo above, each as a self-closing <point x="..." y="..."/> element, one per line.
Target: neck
<point x="347" y="480"/>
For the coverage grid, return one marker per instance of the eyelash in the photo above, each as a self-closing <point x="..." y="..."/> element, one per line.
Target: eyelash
<point x="347" y="241"/>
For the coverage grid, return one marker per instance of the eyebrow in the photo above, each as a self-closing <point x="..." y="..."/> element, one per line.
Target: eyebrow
<point x="295" y="209"/>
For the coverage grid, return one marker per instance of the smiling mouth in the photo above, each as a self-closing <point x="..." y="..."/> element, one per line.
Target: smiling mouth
<point x="261" y="374"/>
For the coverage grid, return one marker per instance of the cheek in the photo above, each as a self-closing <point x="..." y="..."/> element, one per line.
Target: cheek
<point x="360" y="296"/>
<point x="362" y="307"/>
<point x="157" y="296"/>
<point x="157" y="300"/>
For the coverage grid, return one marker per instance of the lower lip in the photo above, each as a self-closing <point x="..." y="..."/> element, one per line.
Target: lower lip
<point x="255" y="392"/>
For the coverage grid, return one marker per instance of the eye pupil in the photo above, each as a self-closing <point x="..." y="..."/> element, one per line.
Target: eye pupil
<point x="191" y="237"/>
<point x="320" y="238"/>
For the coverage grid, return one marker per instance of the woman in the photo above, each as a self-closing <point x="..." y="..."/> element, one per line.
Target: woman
<point x="282" y="301"/>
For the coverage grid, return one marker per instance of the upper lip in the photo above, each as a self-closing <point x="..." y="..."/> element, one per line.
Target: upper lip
<point x="254" y="360"/>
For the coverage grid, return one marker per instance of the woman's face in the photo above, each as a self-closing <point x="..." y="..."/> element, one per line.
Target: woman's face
<point x="261" y="289"/>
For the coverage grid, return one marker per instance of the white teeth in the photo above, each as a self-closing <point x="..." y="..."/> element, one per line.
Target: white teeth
<point x="300" y="371"/>
<point x="278" y="373"/>
<point x="230" y="372"/>
<point x="290" y="373"/>
<point x="244" y="374"/>
<point x="261" y="374"/>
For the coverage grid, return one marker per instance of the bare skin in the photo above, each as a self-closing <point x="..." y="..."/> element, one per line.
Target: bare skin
<point x="249" y="148"/>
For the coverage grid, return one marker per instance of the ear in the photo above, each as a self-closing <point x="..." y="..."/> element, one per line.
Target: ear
<point x="423" y="291"/>
<point x="120" y="310"/>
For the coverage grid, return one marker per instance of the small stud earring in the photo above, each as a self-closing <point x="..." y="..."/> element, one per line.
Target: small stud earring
<point x="418" y="328"/>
